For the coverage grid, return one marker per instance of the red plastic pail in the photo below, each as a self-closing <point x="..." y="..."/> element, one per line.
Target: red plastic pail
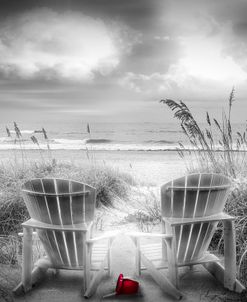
<point x="126" y="286"/>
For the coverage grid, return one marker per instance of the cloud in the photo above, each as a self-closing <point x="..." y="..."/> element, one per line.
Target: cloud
<point x="224" y="20"/>
<point x="174" y="81"/>
<point x="192" y="77"/>
<point x="207" y="66"/>
<point x="70" y="45"/>
<point x="163" y="38"/>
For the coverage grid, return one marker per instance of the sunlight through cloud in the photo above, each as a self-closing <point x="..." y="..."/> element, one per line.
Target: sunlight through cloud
<point x="69" y="45"/>
<point x="204" y="59"/>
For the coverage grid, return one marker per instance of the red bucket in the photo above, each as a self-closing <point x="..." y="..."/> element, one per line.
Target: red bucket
<point x="126" y="286"/>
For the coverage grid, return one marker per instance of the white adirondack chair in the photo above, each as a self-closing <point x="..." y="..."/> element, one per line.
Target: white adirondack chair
<point x="191" y="208"/>
<point x="62" y="213"/>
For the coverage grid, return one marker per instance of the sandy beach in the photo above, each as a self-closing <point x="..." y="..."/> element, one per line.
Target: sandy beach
<point x="152" y="167"/>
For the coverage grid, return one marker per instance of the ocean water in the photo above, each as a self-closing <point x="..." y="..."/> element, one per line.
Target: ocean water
<point x="99" y="136"/>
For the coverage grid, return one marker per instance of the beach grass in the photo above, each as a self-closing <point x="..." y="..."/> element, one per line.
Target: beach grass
<point x="215" y="148"/>
<point x="146" y="208"/>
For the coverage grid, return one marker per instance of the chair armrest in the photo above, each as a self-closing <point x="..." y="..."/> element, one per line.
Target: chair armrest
<point x="173" y="221"/>
<point x="107" y="235"/>
<point x="32" y="223"/>
<point x="149" y="235"/>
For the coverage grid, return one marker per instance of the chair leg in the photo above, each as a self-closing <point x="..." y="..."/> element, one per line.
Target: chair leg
<point x="161" y="279"/>
<point x="109" y="256"/>
<point x="172" y="262"/>
<point x="218" y="271"/>
<point x="227" y="275"/>
<point x="86" y="262"/>
<point x="27" y="259"/>
<point x="230" y="254"/>
<point x="38" y="273"/>
<point x="164" y="246"/>
<point x="95" y="281"/>
<point x="172" y="255"/>
<point x="137" y="256"/>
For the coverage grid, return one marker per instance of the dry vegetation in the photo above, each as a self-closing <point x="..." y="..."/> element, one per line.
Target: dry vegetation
<point x="216" y="148"/>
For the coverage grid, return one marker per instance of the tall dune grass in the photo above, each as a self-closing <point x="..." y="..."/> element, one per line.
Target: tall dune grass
<point x="216" y="148"/>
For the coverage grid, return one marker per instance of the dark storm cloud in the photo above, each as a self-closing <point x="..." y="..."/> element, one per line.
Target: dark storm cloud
<point x="42" y="43"/>
<point x="233" y="16"/>
<point x="155" y="53"/>
<point x="91" y="56"/>
<point x="137" y="14"/>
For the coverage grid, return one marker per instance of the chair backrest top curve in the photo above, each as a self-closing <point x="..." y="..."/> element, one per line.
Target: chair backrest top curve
<point x="50" y="185"/>
<point x="191" y="181"/>
<point x="59" y="201"/>
<point x="195" y="195"/>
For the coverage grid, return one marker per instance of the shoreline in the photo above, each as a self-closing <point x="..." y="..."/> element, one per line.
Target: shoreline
<point x="90" y="148"/>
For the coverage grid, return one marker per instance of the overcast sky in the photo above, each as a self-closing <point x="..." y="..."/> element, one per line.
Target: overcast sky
<point x="113" y="60"/>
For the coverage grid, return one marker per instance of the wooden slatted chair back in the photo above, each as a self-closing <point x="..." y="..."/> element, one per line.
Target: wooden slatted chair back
<point x="194" y="196"/>
<point x="61" y="202"/>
